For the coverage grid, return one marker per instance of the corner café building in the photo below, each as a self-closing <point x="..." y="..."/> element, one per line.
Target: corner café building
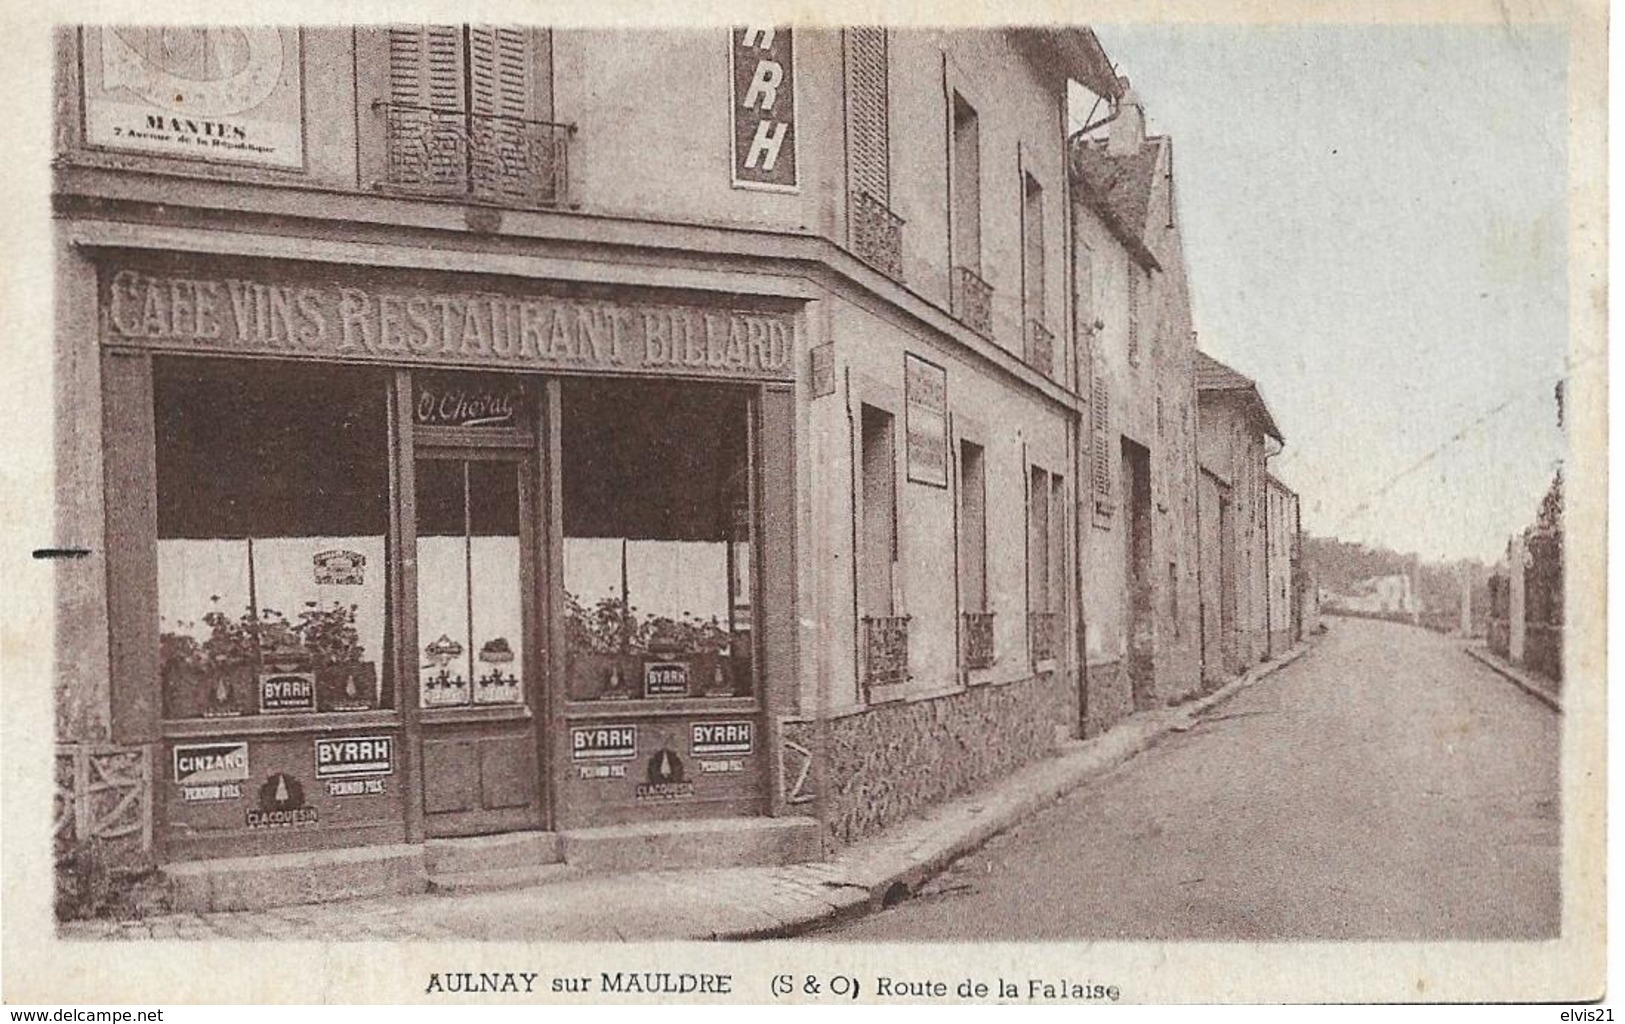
<point x="427" y="505"/>
<point x="438" y="554"/>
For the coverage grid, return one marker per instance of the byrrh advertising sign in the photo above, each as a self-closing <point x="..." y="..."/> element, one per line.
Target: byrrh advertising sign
<point x="217" y="93"/>
<point x="417" y="325"/>
<point x="764" y="108"/>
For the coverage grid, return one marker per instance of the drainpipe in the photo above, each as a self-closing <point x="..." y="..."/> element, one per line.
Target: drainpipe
<point x="1079" y="526"/>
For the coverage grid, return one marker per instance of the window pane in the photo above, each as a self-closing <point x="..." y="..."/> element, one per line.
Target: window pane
<point x="444" y="659"/>
<point x="497" y="630"/>
<point x="656" y="550"/>
<point x="272" y="522"/>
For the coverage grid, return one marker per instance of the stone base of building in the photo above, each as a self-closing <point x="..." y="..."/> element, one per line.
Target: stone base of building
<point x="886" y="763"/>
<point x="1111" y="697"/>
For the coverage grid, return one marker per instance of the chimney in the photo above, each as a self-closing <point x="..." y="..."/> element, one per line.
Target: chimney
<point x="1128" y="130"/>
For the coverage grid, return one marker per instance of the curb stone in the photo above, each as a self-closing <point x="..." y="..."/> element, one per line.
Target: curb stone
<point x="1511" y="673"/>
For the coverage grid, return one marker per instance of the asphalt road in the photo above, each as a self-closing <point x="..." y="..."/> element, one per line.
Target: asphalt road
<point x="1386" y="786"/>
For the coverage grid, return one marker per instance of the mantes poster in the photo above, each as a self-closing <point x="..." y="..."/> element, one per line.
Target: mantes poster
<point x="216" y="93"/>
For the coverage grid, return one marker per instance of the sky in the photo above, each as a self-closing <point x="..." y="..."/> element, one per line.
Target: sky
<point x="1374" y="225"/>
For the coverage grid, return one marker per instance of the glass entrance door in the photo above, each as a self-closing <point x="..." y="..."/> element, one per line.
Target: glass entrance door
<point x="478" y="670"/>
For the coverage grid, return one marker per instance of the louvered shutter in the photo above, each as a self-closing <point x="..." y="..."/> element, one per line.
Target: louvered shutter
<point x="516" y="155"/>
<point x="868" y="113"/>
<point x="1133" y="315"/>
<point x="426" y="143"/>
<point x="1100" y="424"/>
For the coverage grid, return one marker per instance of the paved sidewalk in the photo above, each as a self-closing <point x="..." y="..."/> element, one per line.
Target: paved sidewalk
<point x="1547" y="691"/>
<point x="725" y="903"/>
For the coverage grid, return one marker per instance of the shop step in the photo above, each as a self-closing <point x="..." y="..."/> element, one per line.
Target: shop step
<point x="284" y="879"/>
<point x="489" y="853"/>
<point x="705" y="843"/>
<point x="495" y="879"/>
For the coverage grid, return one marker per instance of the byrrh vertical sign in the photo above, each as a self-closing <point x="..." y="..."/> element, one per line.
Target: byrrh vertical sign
<point x="764" y="108"/>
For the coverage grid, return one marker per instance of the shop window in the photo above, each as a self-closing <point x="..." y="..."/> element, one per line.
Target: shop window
<point x="657" y="540"/>
<point x="272" y="510"/>
<point x="470" y="606"/>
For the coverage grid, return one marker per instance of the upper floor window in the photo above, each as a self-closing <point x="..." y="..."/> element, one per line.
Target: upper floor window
<point x="1032" y="247"/>
<point x="465" y="110"/>
<point x="965" y="184"/>
<point x="970" y="296"/>
<point x="875" y="232"/>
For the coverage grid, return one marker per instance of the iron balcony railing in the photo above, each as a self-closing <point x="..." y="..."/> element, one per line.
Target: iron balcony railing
<point x="1041" y="630"/>
<point x="486" y="157"/>
<point x="973" y="301"/>
<point x="1040" y="348"/>
<point x="885" y="651"/>
<point x="978" y="639"/>
<point x="877" y="234"/>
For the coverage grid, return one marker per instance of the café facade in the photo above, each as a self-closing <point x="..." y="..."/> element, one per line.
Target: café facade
<point x="417" y="512"/>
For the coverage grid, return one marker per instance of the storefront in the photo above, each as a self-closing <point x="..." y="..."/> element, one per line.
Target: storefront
<point x="396" y="555"/>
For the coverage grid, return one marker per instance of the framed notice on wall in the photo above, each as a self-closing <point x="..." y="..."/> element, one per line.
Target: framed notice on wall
<point x="925" y="387"/>
<point x="217" y="93"/>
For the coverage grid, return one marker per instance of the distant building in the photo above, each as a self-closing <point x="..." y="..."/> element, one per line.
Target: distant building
<point x="1391" y="595"/>
<point x="1233" y="434"/>
<point x="1137" y="531"/>
<point x="1282" y="559"/>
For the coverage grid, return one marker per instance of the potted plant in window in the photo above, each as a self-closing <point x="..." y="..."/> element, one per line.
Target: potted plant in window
<point x="332" y="646"/>
<point x="229" y="654"/>
<point x="182" y="667"/>
<point x="605" y="649"/>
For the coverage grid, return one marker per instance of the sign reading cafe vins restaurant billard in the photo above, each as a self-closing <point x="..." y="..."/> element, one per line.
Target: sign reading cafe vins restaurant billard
<point x="386" y="323"/>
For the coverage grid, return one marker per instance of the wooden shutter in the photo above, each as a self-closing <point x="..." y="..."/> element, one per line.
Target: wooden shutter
<point x="424" y="146"/>
<point x="1100" y="424"/>
<point x="426" y="66"/>
<point x="868" y="113"/>
<point x="514" y="153"/>
<point x="1133" y="315"/>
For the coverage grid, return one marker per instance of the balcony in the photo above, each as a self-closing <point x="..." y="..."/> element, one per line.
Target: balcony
<point x="1040" y="353"/>
<point x="973" y="301"/>
<point x="876" y="234"/>
<point x="977" y="633"/>
<point x="485" y="158"/>
<point x="1041" y="629"/>
<point x="885" y="652"/>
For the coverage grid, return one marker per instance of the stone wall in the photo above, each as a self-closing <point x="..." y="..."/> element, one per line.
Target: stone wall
<point x="1111" y="697"/>
<point x="888" y="762"/>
